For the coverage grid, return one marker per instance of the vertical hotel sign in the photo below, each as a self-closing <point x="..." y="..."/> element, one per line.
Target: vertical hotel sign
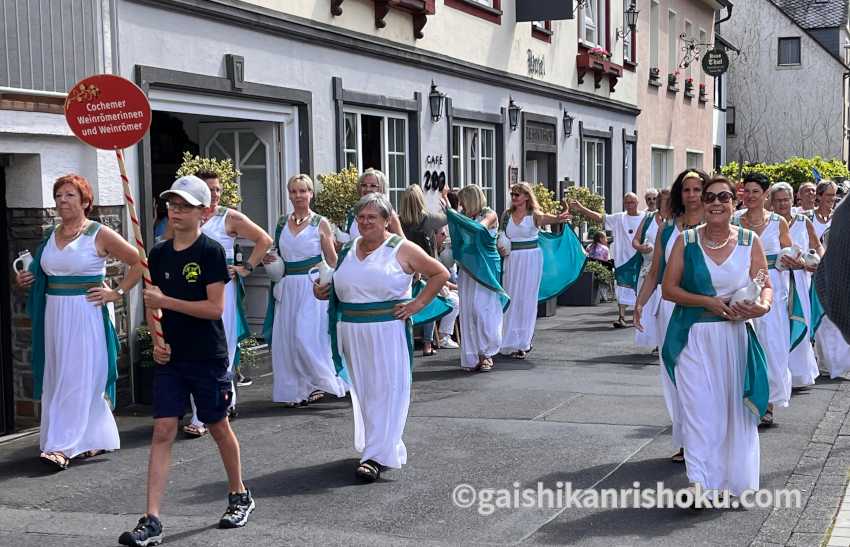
<point x="111" y="113"/>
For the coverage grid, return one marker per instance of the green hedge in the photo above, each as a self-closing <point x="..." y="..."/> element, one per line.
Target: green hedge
<point x="794" y="171"/>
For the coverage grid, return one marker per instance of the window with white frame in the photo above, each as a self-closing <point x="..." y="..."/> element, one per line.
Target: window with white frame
<point x="789" y="51"/>
<point x="662" y="167"/>
<point x="594" y="165"/>
<point x="693" y="159"/>
<point x="379" y="140"/>
<point x="488" y="3"/>
<point x="474" y="158"/>
<point x="672" y="43"/>
<point x="592" y="23"/>
<point x="654" y="34"/>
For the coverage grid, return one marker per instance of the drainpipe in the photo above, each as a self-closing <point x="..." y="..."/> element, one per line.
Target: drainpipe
<point x="728" y="14"/>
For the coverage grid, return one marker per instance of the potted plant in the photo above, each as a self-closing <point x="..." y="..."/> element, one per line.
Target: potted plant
<point x="655" y="76"/>
<point x="250" y="352"/>
<point x="703" y="96"/>
<point x="144" y="367"/>
<point x="336" y="195"/>
<point x="549" y="205"/>
<point x="689" y="87"/>
<point x="673" y="81"/>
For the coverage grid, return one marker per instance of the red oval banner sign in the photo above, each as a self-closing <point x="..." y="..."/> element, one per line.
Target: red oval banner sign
<point x="108" y="112"/>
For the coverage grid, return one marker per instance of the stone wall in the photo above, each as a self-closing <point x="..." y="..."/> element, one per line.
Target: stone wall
<point x="26" y="230"/>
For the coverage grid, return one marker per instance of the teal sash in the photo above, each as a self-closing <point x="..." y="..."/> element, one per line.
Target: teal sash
<point x="696" y="279"/>
<point x="628" y="274"/>
<point x="370" y="312"/>
<point x="817" y="310"/>
<point x="666" y="234"/>
<point x="474" y="250"/>
<point x="243" y="330"/>
<point x="300" y="267"/>
<point x="796" y="316"/>
<point x="563" y="262"/>
<point x="524" y="245"/>
<point x="771" y="261"/>
<point x="435" y="310"/>
<point x="65" y="286"/>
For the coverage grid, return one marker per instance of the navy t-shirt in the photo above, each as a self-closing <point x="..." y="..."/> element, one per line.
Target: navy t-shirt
<point x="185" y="275"/>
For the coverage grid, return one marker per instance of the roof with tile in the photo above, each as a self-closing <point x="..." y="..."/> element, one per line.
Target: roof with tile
<point x="815" y="14"/>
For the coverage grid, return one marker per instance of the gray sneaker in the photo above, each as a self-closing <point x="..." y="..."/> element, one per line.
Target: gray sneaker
<point x="239" y="506"/>
<point x="147" y="532"/>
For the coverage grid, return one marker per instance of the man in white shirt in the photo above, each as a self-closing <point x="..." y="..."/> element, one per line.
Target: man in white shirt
<point x="806" y="194"/>
<point x="623" y="225"/>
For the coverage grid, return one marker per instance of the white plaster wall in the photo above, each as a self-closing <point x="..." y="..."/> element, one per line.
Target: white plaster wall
<point x="44" y="149"/>
<point x="151" y="36"/>
<point x="781" y="111"/>
<point x="464" y="36"/>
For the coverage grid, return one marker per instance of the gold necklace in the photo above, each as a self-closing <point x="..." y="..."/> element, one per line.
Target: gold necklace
<point x="300" y="221"/>
<point x="754" y="225"/>
<point x="76" y="234"/>
<point x="714" y="245"/>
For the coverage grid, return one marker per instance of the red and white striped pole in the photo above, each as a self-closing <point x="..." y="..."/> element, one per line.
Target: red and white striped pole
<point x="154" y="316"/>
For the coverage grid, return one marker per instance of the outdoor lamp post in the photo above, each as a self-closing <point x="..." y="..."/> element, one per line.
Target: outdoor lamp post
<point x="630" y="17"/>
<point x="568" y="124"/>
<point x="513" y="114"/>
<point x="435" y="101"/>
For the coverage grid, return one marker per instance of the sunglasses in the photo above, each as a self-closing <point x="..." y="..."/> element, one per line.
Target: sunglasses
<point x="515" y="194"/>
<point x="723" y="197"/>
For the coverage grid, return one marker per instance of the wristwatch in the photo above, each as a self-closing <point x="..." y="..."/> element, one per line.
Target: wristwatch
<point x="248" y="266"/>
<point x="120" y="292"/>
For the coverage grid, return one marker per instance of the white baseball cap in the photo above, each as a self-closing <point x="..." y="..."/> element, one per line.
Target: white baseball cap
<point x="192" y="189"/>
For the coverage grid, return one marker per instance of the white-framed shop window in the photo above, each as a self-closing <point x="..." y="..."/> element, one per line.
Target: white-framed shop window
<point x="592" y="23"/>
<point x="377" y="139"/>
<point x="474" y="157"/>
<point x="662" y="167"/>
<point x="594" y="165"/>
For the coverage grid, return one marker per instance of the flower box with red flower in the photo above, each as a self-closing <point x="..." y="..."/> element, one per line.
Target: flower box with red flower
<point x="689" y="87"/>
<point x="598" y="61"/>
<point x="703" y="95"/>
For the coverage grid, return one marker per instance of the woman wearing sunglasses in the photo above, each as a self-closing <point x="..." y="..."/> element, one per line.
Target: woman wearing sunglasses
<point x="686" y="212"/>
<point x="711" y="351"/>
<point x="773" y="328"/>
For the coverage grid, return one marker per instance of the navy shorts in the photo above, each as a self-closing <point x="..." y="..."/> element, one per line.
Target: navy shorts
<point x="208" y="381"/>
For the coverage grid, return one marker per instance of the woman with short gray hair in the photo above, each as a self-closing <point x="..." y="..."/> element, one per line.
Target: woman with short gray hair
<point x="826" y="193"/>
<point x="370" y="313"/>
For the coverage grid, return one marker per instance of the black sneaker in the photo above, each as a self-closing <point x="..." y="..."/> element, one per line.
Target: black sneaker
<point x="147" y="532"/>
<point x="239" y="506"/>
<point x="242" y="380"/>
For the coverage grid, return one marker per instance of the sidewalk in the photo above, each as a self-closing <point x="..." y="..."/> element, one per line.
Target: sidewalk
<point x="585" y="407"/>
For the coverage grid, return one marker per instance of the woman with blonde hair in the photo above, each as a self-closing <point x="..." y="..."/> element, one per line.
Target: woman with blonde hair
<point x="296" y="323"/>
<point x="482" y="298"/>
<point x="523" y="267"/>
<point x="419" y="225"/>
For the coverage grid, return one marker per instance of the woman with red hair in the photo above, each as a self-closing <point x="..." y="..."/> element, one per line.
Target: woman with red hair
<point x="74" y="344"/>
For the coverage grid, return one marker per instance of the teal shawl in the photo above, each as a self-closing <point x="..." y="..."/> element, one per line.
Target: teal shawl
<point x="696" y="279"/>
<point x="627" y="275"/>
<point x="474" y="250"/>
<point x="666" y="234"/>
<point x="817" y="313"/>
<point x="563" y="259"/>
<point x="796" y="316"/>
<point x="36" y="305"/>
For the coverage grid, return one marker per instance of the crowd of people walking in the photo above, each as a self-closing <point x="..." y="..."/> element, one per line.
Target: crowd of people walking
<point x="719" y="276"/>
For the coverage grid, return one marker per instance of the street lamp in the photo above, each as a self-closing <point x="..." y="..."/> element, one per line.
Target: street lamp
<point x="630" y="17"/>
<point x="513" y="114"/>
<point x="568" y="124"/>
<point x="435" y="100"/>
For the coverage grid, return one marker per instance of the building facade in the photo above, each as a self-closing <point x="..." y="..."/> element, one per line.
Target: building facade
<point x="676" y="97"/>
<point x="310" y="86"/>
<point x="787" y="87"/>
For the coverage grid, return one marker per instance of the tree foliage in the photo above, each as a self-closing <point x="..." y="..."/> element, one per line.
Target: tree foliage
<point x="546" y="200"/>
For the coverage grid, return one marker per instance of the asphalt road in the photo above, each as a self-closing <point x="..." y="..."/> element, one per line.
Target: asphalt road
<point x="585" y="407"/>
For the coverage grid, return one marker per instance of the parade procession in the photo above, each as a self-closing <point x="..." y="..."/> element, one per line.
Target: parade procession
<point x="326" y="271"/>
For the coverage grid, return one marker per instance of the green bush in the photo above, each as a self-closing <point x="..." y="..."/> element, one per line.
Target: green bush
<point x="144" y="341"/>
<point x="600" y="272"/>
<point x="336" y="194"/>
<point x="546" y="199"/>
<point x="227" y="175"/>
<point x="589" y="199"/>
<point x="794" y="171"/>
